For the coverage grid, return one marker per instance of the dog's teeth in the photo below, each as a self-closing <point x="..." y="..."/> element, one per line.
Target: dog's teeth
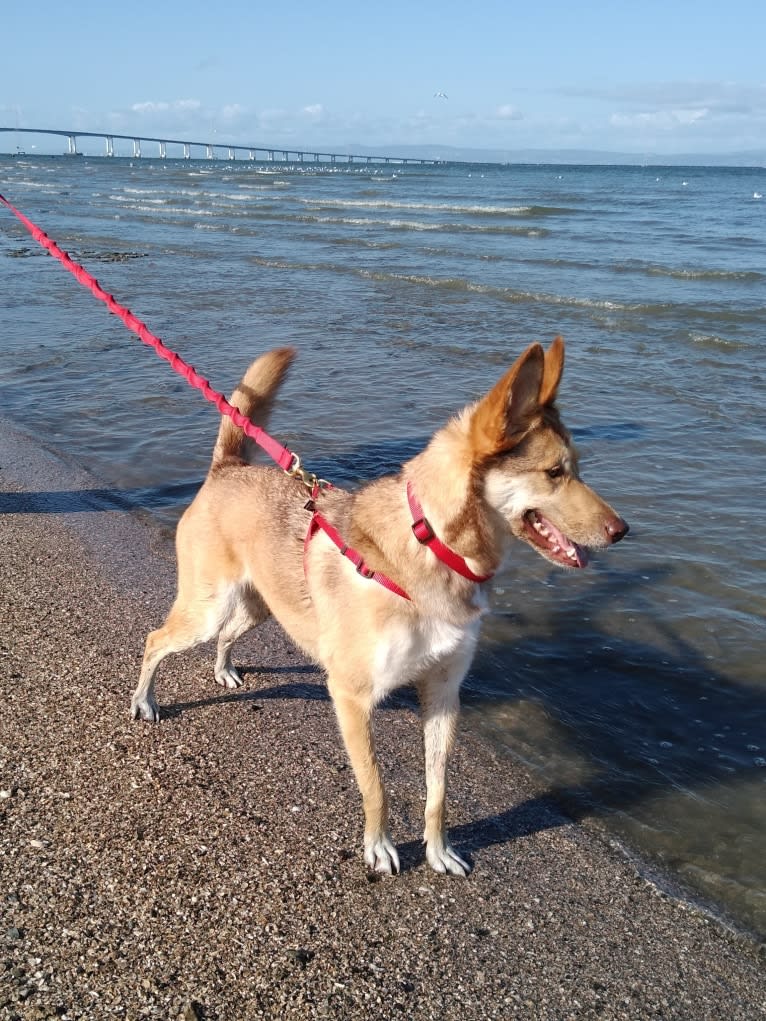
<point x="572" y="554"/>
<point x="556" y="548"/>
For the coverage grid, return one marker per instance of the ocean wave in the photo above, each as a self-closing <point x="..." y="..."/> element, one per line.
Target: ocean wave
<point x="268" y="211"/>
<point x="222" y="198"/>
<point x="354" y="242"/>
<point x="266" y="185"/>
<point x="203" y="198"/>
<point x="135" y="203"/>
<point x="713" y="342"/>
<point x="690" y="273"/>
<point x="447" y="284"/>
<point x="155" y="206"/>
<point x="163" y="196"/>
<point x="418" y="225"/>
<point x="646" y="310"/>
<point x="158" y="191"/>
<point x="508" y="294"/>
<point x="38" y="186"/>
<point x="440" y="207"/>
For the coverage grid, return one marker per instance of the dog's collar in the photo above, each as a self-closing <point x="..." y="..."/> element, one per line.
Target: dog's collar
<point x="424" y="533"/>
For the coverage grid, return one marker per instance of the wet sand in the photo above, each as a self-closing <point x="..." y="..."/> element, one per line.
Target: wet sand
<point x="210" y="867"/>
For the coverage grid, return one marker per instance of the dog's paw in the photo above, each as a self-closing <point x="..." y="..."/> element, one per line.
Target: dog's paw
<point x="443" y="858"/>
<point x="228" y="677"/>
<point x="380" y="854"/>
<point x="145" y="709"/>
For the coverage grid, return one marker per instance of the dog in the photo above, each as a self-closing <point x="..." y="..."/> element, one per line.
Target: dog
<point x="424" y="543"/>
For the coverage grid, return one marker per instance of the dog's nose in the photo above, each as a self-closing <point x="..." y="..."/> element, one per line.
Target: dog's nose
<point x="616" y="529"/>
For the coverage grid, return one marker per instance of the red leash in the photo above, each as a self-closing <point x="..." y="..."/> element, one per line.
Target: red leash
<point x="286" y="459"/>
<point x="283" y="457"/>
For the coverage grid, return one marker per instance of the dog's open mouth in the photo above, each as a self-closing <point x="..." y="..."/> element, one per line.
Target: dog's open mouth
<point x="553" y="543"/>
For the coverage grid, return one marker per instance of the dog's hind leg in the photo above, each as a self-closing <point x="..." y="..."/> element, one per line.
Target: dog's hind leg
<point x="438" y="692"/>
<point x="249" y="612"/>
<point x="355" y="721"/>
<point x="190" y="622"/>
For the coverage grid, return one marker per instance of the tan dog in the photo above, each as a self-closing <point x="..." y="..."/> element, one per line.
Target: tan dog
<point x="503" y="467"/>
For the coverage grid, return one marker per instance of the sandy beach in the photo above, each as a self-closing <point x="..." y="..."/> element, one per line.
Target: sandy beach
<point x="210" y="867"/>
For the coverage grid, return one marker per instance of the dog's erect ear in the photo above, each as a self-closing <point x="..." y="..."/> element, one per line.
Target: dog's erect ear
<point x="554" y="366"/>
<point x="509" y="405"/>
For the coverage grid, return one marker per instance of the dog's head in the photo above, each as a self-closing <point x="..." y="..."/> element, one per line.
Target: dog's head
<point x="525" y="465"/>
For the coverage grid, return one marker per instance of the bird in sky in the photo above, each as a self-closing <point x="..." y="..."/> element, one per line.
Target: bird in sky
<point x="440" y="95"/>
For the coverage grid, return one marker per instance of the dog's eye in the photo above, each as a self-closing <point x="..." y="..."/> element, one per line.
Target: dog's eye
<point x="555" y="472"/>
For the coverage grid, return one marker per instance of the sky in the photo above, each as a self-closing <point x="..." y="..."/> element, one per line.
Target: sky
<point x="648" y="77"/>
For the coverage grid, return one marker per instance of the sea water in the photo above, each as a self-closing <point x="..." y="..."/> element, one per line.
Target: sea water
<point x="636" y="689"/>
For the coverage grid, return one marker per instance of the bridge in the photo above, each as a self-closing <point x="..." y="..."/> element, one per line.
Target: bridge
<point x="210" y="150"/>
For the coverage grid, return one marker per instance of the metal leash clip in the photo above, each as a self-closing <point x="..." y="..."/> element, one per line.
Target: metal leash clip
<point x="311" y="481"/>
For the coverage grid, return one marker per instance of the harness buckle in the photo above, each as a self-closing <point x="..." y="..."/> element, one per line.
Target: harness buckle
<point x="422" y="531"/>
<point x="364" y="570"/>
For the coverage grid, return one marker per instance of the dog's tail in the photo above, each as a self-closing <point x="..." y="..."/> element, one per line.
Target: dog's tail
<point x="254" y="398"/>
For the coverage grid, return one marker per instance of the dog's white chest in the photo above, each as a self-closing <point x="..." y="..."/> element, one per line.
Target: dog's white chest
<point x="403" y="653"/>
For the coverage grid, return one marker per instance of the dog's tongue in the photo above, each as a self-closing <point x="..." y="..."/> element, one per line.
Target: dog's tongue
<point x="558" y="543"/>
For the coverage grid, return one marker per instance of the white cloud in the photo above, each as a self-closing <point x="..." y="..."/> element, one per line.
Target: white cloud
<point x="672" y="116"/>
<point x="233" y="112"/>
<point x="314" y="110"/>
<point x="509" y="113"/>
<point x="162" y="106"/>
<point x="663" y="120"/>
<point x="150" y="107"/>
<point x="724" y="97"/>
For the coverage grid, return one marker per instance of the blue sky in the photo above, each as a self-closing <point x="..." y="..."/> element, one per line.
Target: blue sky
<point x="647" y="77"/>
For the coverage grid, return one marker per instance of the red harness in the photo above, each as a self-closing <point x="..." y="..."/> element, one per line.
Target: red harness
<point x="423" y="532"/>
<point x="421" y="529"/>
<point x="317" y="523"/>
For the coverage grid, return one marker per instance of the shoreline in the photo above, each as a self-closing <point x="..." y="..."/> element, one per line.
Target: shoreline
<point x="211" y="867"/>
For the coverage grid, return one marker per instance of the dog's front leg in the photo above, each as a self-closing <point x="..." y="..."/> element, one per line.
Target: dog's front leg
<point x="355" y="721"/>
<point x="439" y="697"/>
